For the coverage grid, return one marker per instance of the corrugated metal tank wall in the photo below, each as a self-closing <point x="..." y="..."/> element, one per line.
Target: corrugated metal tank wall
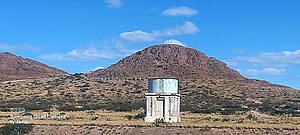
<point x="163" y="85"/>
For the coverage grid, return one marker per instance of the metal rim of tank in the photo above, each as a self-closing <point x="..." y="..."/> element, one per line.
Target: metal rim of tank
<point x="153" y="78"/>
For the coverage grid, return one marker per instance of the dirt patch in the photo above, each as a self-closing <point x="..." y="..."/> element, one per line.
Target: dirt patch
<point x="125" y="130"/>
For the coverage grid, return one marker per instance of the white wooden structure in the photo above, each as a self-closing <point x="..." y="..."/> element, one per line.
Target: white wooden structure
<point x="163" y="100"/>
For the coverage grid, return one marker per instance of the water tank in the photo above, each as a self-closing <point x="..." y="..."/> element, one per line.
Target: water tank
<point x="163" y="85"/>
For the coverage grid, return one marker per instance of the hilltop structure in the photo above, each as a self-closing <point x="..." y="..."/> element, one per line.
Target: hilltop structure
<point x="163" y="100"/>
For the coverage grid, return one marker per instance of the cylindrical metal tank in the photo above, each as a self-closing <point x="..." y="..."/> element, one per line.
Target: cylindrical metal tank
<point x="163" y="85"/>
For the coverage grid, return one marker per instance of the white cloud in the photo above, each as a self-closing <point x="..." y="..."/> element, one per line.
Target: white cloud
<point x="97" y="68"/>
<point x="231" y="63"/>
<point x="272" y="63"/>
<point x="142" y="36"/>
<point x="265" y="71"/>
<point x="180" y="11"/>
<point x="90" y="70"/>
<point x="139" y="36"/>
<point x="187" y="28"/>
<point x="91" y="54"/>
<point x="273" y="59"/>
<point x="114" y="50"/>
<point x="22" y="47"/>
<point x="54" y="57"/>
<point x="174" y="41"/>
<point x="114" y="3"/>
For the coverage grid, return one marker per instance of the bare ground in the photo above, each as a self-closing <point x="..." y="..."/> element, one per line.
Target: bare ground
<point x="125" y="130"/>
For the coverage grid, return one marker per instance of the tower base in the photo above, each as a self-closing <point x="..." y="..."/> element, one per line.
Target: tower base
<point x="162" y="107"/>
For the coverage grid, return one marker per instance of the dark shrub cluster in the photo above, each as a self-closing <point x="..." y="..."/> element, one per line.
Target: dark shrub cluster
<point x="15" y="129"/>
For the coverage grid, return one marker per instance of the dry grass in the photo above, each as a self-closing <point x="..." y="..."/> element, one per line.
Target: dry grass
<point x="102" y="117"/>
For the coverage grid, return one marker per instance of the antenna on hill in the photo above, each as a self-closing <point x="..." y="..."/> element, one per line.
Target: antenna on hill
<point x="169" y="41"/>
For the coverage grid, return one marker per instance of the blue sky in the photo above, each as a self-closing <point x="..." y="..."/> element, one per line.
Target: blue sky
<point x="259" y="38"/>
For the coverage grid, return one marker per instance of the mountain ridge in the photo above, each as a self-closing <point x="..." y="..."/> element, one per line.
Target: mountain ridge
<point x="14" y="67"/>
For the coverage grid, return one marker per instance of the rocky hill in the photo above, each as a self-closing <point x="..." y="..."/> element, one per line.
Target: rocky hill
<point x="13" y="67"/>
<point x="169" y="60"/>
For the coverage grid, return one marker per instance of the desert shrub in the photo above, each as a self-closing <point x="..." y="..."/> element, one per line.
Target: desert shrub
<point x="186" y="106"/>
<point x="138" y="116"/>
<point x="33" y="104"/>
<point x="95" y="118"/>
<point x="211" y="104"/>
<point x="226" y="119"/>
<point x="15" y="129"/>
<point x="115" y="106"/>
<point x="279" y="108"/>
<point x="3" y="108"/>
<point x="124" y="106"/>
<point x="265" y="107"/>
<point x="228" y="111"/>
<point x="129" y="117"/>
<point x="67" y="107"/>
<point x="251" y="117"/>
